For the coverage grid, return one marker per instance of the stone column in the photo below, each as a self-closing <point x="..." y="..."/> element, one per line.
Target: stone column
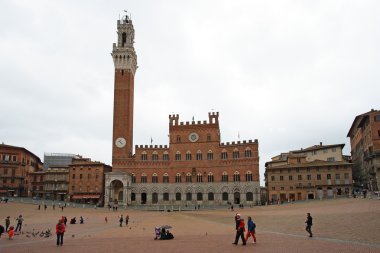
<point x="231" y="198"/>
<point x="138" y="198"/>
<point x="106" y="195"/>
<point x="125" y="195"/>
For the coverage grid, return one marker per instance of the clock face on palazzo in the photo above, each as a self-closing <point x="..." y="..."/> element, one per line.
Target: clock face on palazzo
<point x="193" y="137"/>
<point x="120" y="142"/>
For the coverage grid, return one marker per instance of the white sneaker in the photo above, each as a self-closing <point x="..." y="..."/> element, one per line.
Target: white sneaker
<point x="254" y="243"/>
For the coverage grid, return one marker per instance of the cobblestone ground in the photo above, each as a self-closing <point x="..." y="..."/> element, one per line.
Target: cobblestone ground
<point x="344" y="225"/>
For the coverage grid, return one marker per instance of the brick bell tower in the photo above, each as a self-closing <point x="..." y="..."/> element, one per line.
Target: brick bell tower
<point x="125" y="61"/>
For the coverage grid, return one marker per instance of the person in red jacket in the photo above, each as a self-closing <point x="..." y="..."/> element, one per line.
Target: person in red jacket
<point x="60" y="231"/>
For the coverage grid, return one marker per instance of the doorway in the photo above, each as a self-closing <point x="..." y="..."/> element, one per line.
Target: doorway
<point x="237" y="198"/>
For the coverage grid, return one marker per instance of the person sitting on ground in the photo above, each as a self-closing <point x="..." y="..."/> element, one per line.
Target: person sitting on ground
<point x="157" y="233"/>
<point x="81" y="220"/>
<point x="73" y="220"/>
<point x="163" y="234"/>
<point x="169" y="235"/>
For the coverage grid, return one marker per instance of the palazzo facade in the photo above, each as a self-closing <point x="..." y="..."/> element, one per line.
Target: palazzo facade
<point x="195" y="168"/>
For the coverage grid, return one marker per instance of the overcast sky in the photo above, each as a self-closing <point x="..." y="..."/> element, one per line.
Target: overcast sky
<point x="288" y="73"/>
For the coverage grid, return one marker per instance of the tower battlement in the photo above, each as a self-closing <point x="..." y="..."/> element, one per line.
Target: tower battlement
<point x="213" y="119"/>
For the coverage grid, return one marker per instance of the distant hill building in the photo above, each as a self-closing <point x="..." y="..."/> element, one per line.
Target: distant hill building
<point x="364" y="136"/>
<point x="319" y="171"/>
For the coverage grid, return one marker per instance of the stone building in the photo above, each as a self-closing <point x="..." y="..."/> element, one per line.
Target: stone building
<point x="15" y="165"/>
<point x="86" y="180"/>
<point x="51" y="183"/>
<point x="320" y="171"/>
<point x="195" y="168"/>
<point x="364" y="136"/>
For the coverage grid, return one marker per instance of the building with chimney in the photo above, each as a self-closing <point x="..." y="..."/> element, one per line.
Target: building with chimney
<point x="316" y="172"/>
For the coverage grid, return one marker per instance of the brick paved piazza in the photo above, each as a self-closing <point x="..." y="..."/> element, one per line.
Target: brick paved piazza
<point x="345" y="225"/>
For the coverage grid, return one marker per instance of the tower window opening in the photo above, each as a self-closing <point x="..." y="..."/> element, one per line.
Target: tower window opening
<point x="123" y="39"/>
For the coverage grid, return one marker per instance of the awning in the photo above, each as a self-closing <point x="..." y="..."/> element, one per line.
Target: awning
<point x="3" y="191"/>
<point x="85" y="196"/>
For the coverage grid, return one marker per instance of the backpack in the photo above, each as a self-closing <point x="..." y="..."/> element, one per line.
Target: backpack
<point x="254" y="226"/>
<point x="59" y="227"/>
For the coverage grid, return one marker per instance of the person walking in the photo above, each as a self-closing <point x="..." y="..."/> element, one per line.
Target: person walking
<point x="126" y="220"/>
<point x="251" y="227"/>
<point x="121" y="220"/>
<point x="240" y="228"/>
<point x="11" y="233"/>
<point x="309" y="223"/>
<point x="60" y="231"/>
<point x="2" y="230"/>
<point x="19" y="223"/>
<point x="7" y="223"/>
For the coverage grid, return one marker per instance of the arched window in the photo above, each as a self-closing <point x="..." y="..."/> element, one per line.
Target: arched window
<point x="154" y="178"/>
<point x="199" y="178"/>
<point x="178" y="156"/>
<point x="188" y="155"/>
<point x="166" y="196"/>
<point x="210" y="155"/>
<point x="143" y="178"/>
<point x="178" y="196"/>
<point x="210" y="177"/>
<point x="236" y="176"/>
<point x="165" y="178"/>
<point x="210" y="196"/>
<point x="199" y="196"/>
<point x="178" y="139"/>
<point x="224" y="177"/>
<point x="188" y="178"/>
<point x="225" y="196"/>
<point x="224" y="154"/>
<point x="144" y="156"/>
<point x="166" y="156"/>
<point x="133" y="178"/>
<point x="249" y="196"/>
<point x="235" y="154"/>
<point x="248" y="152"/>
<point x="189" y="196"/>
<point x="248" y="176"/>
<point x="155" y="156"/>
<point x="199" y="155"/>
<point x="178" y="178"/>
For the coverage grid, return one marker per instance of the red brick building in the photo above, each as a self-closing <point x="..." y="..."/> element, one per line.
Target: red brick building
<point x="195" y="168"/>
<point x="15" y="165"/>
<point x="364" y="136"/>
<point x="86" y="180"/>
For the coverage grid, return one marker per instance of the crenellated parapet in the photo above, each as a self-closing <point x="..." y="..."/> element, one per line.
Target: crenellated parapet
<point x="145" y="147"/>
<point x="238" y="143"/>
